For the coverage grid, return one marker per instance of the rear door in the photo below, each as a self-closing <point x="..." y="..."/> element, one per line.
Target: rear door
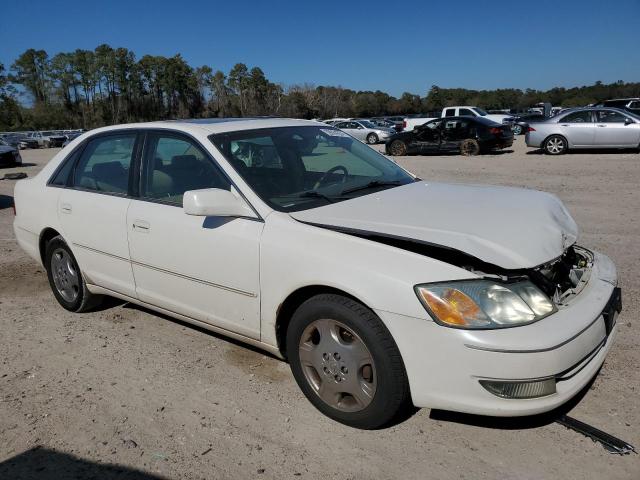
<point x="613" y="131"/>
<point x="92" y="210"/>
<point x="578" y="128"/>
<point x="206" y="268"/>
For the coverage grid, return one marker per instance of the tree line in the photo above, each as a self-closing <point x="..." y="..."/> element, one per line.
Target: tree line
<point x="91" y="88"/>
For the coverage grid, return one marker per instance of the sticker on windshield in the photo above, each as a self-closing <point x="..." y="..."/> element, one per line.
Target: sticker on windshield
<point x="334" y="133"/>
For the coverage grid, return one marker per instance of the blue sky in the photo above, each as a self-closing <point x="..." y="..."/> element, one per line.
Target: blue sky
<point x="386" y="45"/>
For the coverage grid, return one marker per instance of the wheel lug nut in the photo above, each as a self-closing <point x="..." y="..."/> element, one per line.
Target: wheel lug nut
<point x="326" y="370"/>
<point x="336" y="356"/>
<point x="338" y="378"/>
<point x="344" y="370"/>
<point x="325" y="356"/>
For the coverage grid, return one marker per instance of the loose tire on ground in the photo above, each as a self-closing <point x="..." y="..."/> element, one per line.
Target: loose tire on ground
<point x="469" y="147"/>
<point x="346" y="362"/>
<point x="65" y="278"/>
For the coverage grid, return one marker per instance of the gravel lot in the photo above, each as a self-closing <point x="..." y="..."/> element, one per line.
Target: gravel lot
<point x="127" y="393"/>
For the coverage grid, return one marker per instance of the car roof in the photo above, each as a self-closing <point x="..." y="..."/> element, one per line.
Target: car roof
<point x="216" y="125"/>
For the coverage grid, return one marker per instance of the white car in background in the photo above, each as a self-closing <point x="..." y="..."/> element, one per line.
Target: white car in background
<point x="365" y="131"/>
<point x="381" y="290"/>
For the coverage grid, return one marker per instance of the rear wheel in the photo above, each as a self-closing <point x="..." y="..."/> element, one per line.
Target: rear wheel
<point x="398" y="147"/>
<point x="65" y="278"/>
<point x="555" y="145"/>
<point x="346" y="362"/>
<point x="469" y="146"/>
<point x="372" y="138"/>
<point x="517" y="129"/>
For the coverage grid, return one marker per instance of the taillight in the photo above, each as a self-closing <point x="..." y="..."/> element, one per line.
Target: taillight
<point x="14" y="208"/>
<point x="495" y="131"/>
<point x="531" y="129"/>
<point x="404" y="124"/>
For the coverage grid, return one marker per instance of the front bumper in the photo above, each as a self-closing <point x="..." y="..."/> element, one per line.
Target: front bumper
<point x="444" y="365"/>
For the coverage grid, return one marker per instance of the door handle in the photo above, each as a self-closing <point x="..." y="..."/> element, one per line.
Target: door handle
<point x="601" y="126"/>
<point x="141" y="226"/>
<point x="65" y="208"/>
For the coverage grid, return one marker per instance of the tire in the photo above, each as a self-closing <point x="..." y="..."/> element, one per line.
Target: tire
<point x="326" y="335"/>
<point x="555" y="145"/>
<point x="398" y="148"/>
<point x="66" y="279"/>
<point x="517" y="129"/>
<point x="372" y="138"/>
<point x="47" y="144"/>
<point x="469" y="147"/>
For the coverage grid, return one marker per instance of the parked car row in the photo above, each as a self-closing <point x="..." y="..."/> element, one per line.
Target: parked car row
<point x="40" y="139"/>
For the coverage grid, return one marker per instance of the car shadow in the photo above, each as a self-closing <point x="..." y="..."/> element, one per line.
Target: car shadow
<point x="46" y="464"/>
<point x="591" y="151"/>
<point x="513" y="423"/>
<point x="6" y="201"/>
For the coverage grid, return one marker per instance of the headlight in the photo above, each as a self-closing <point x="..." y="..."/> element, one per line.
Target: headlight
<point x="484" y="303"/>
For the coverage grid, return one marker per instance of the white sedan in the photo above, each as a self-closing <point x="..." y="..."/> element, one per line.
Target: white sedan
<point x="382" y="291"/>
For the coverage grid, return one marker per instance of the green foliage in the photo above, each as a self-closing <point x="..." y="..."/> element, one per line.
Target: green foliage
<point x="91" y="88"/>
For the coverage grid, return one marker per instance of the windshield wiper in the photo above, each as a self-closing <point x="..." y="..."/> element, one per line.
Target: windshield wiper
<point x="372" y="184"/>
<point x="312" y="194"/>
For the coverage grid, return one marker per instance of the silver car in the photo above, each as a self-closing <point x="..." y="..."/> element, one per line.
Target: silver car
<point x="593" y="127"/>
<point x="365" y="131"/>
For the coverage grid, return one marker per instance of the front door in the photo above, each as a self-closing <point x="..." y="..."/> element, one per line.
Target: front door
<point x="204" y="268"/>
<point x="428" y="136"/>
<point x="613" y="131"/>
<point x="93" y="211"/>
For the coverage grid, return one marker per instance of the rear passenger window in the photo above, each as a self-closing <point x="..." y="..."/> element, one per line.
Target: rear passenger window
<point x="105" y="164"/>
<point x="450" y="112"/>
<point x="578" y="117"/>
<point x="174" y="165"/>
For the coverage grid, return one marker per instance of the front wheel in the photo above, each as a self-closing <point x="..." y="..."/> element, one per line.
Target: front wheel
<point x="346" y="362"/>
<point x="65" y="278"/>
<point x="372" y="138"/>
<point x="555" y="145"/>
<point x="517" y="129"/>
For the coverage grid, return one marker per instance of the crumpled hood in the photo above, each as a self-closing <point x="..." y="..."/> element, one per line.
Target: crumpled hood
<point x="512" y="228"/>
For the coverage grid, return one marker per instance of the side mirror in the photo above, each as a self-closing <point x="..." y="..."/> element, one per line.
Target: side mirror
<point x="216" y="202"/>
<point x="628" y="121"/>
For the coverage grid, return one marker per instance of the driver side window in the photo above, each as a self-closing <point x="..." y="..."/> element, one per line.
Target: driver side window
<point x="174" y="165"/>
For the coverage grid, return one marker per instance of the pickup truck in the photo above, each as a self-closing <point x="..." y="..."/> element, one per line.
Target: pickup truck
<point x="465" y="111"/>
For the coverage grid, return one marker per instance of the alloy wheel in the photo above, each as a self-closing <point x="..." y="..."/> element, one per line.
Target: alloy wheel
<point x="555" y="145"/>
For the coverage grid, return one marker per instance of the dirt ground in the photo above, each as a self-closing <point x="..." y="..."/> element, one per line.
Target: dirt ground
<point x="127" y="393"/>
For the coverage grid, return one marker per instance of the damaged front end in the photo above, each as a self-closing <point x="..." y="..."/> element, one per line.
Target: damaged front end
<point x="560" y="279"/>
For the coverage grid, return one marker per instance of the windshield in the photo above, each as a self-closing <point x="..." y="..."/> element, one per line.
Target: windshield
<point x="297" y="168"/>
<point x="480" y="111"/>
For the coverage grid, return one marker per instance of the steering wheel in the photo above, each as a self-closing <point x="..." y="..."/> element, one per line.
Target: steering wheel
<point x="345" y="175"/>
